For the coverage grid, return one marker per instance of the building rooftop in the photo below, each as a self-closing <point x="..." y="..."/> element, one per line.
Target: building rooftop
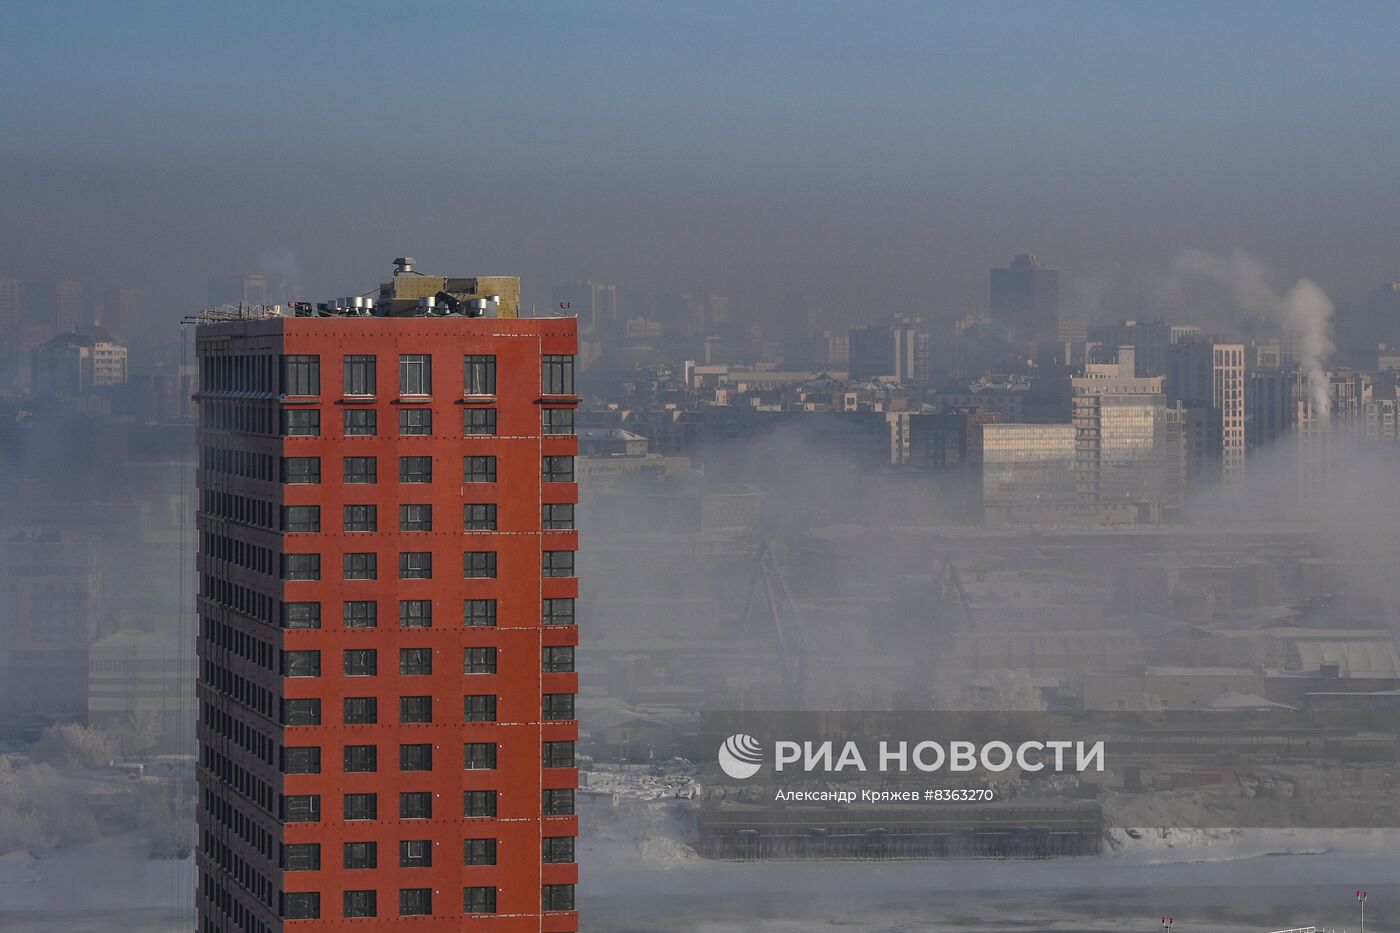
<point x="409" y="293"/>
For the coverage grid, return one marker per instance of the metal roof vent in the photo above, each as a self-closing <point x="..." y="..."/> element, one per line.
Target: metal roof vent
<point x="403" y="265"/>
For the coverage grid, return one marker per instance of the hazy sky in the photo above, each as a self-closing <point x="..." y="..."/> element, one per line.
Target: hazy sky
<point x="887" y="152"/>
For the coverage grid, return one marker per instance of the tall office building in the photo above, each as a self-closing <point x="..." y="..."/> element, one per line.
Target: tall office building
<point x="1126" y="451"/>
<point x="593" y="303"/>
<point x="386" y="607"/>
<point x="1025" y="299"/>
<point x="1207" y="379"/>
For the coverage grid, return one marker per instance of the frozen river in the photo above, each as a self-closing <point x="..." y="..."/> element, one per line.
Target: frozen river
<point x="1231" y="887"/>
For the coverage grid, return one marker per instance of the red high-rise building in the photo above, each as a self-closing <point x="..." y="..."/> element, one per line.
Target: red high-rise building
<point x="386" y="638"/>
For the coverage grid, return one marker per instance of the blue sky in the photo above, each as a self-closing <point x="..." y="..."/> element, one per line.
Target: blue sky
<point x="778" y="145"/>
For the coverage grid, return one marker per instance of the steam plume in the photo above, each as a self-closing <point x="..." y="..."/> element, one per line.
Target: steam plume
<point x="1308" y="313"/>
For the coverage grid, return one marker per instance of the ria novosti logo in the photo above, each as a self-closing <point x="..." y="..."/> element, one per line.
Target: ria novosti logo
<point x="740" y="756"/>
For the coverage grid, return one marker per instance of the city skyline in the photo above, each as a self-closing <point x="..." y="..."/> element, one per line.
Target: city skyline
<point x="913" y="147"/>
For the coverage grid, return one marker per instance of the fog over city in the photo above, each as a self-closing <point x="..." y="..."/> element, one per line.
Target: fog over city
<point x="822" y="368"/>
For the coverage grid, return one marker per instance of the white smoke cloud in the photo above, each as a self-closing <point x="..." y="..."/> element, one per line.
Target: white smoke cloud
<point x="1308" y="313"/>
<point x="1238" y="290"/>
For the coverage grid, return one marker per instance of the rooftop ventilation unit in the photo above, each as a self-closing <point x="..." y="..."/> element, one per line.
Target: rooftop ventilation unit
<point x="403" y="265"/>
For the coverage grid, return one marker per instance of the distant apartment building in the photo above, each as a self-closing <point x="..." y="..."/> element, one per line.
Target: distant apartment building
<point x="11" y="303"/>
<point x="250" y="290"/>
<point x="386" y="607"/>
<point x="68" y="311"/>
<point x="898" y="350"/>
<point x="74" y="364"/>
<point x="593" y="303"/>
<point x="48" y="581"/>
<point x="838" y="350"/>
<point x="134" y="675"/>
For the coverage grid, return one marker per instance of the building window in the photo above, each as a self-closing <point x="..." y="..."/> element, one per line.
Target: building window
<point x="301" y="374"/>
<point x="301" y="518"/>
<point x="361" y="470"/>
<point x="557" y="421"/>
<point x="415" y="758"/>
<point x="415" y="374"/>
<point x="301" y="615"/>
<point x="361" y="422"/>
<point x="359" y="375"/>
<point x="559" y="802"/>
<point x="301" y="566"/>
<point x="361" y="904"/>
<point x="479" y="421"/>
<point x="479" y="803"/>
<point x="558" y="754"/>
<point x="362" y="566"/>
<point x="557" y="897"/>
<point x="415" y="421"/>
<point x="558" y="469"/>
<point x="558" y="612"/>
<point x="361" y="662"/>
<point x="558" y="516"/>
<point x="301" y="664"/>
<point x="361" y="759"/>
<point x="304" y="856"/>
<point x="479" y="852"/>
<point x="479" y="661"/>
<point x="415" y="709"/>
<point x="361" y="518"/>
<point x="558" y="659"/>
<point x="301" y="471"/>
<point x="415" y="902"/>
<point x="361" y="711"/>
<point x="361" y="613"/>
<point x="361" y="855"/>
<point x="415" y="805"/>
<point x="479" y="900"/>
<point x="557" y="374"/>
<point x="301" y="712"/>
<point x="479" y="565"/>
<point x="415" y="662"/>
<point x="479" y="469"/>
<point x="416" y="565"/>
<point x="301" y="422"/>
<point x="480" y="516"/>
<point x="301" y="905"/>
<point x="415" y="853"/>
<point x="479" y="756"/>
<point x="415" y="469"/>
<point x="479" y="374"/>
<point x="361" y="806"/>
<point x="415" y="613"/>
<point x="305" y="759"/>
<point x="558" y="706"/>
<point x="415" y="518"/>
<point x="558" y="563"/>
<point x="480" y="708"/>
<point x="479" y="612"/>
<point x="301" y="808"/>
<point x="558" y="850"/>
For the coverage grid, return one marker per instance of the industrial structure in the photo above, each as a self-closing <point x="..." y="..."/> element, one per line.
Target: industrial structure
<point x="386" y="605"/>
